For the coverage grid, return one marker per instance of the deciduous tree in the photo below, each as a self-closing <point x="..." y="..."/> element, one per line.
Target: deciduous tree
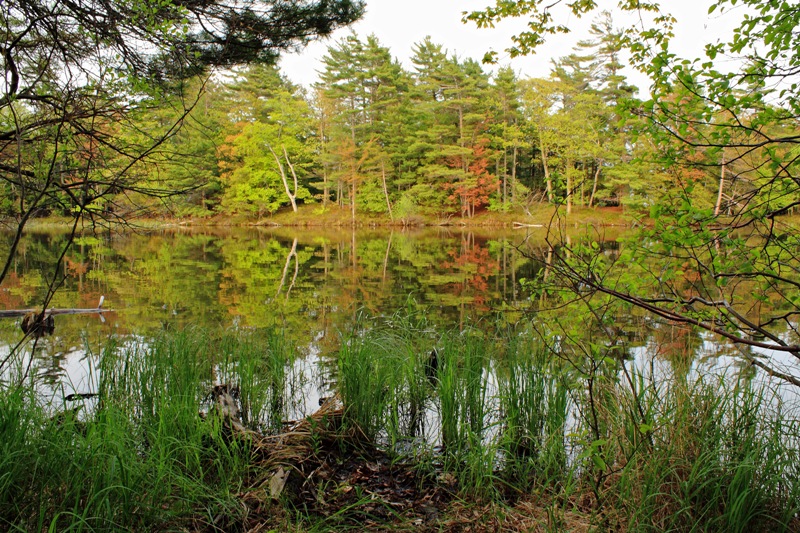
<point x="74" y="72"/>
<point x="700" y="265"/>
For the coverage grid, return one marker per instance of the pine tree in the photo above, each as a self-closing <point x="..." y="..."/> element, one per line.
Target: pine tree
<point x="269" y="156"/>
<point x="452" y="97"/>
<point x="507" y="133"/>
<point x="366" y="91"/>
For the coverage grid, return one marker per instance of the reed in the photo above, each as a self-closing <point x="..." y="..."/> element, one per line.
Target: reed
<point x="462" y="388"/>
<point x="367" y="379"/>
<point x="643" y="452"/>
<point x="534" y="409"/>
<point x="651" y="453"/>
<point x="714" y="452"/>
<point x="385" y="375"/>
<point x="467" y="408"/>
<point x="257" y="367"/>
<point x="141" y="458"/>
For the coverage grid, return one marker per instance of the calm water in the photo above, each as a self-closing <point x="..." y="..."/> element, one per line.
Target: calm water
<point x="309" y="284"/>
<point x="306" y="282"/>
<point x="312" y="285"/>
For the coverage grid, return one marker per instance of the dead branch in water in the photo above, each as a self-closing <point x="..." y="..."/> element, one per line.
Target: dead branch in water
<point x="13" y="313"/>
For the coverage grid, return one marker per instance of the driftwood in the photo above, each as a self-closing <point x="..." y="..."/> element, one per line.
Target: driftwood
<point x="13" y="313"/>
<point x="293" y="451"/>
<point x="276" y="457"/>
<point x="226" y="405"/>
<point x="38" y="324"/>
<point x="517" y="225"/>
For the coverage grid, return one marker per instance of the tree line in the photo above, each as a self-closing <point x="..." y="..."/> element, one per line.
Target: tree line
<point x="444" y="138"/>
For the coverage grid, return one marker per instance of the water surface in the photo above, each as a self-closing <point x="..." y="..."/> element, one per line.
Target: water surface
<point x="309" y="284"/>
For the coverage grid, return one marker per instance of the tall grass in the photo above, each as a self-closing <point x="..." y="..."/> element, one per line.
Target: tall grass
<point x="503" y="418"/>
<point x="534" y="407"/>
<point x="143" y="457"/>
<point x="366" y="380"/>
<point x="382" y="376"/>
<point x="257" y="366"/>
<point x="678" y="454"/>
<point x="466" y="403"/>
<point x="723" y="455"/>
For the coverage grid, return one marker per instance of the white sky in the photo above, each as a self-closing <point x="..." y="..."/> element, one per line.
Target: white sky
<point x="399" y="24"/>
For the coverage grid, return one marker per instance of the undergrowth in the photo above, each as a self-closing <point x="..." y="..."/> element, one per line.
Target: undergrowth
<point x="491" y="417"/>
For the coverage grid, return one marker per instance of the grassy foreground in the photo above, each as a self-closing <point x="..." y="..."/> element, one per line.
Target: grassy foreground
<point x="490" y="431"/>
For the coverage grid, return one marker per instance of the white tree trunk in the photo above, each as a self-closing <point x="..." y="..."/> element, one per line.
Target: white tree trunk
<point x="548" y="181"/>
<point x="721" y="185"/>
<point x="386" y="191"/>
<point x="283" y="176"/>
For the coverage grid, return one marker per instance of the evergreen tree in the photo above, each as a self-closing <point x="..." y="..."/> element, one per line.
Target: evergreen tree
<point x="267" y="159"/>
<point x="77" y="74"/>
<point x="507" y="134"/>
<point x="190" y="160"/>
<point x="452" y="97"/>
<point x="365" y="91"/>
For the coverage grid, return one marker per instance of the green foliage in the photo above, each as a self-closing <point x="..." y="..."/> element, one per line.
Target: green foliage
<point x="100" y="142"/>
<point x="368" y="122"/>
<point x="534" y="406"/>
<point x="722" y="154"/>
<point x="683" y="450"/>
<point x="366" y="372"/>
<point x="714" y="459"/>
<point x="270" y="149"/>
<point x="652" y="444"/>
<point x="446" y="138"/>
<point x="142" y="457"/>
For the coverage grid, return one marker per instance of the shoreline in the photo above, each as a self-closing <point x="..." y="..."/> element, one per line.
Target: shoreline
<point x="340" y="218"/>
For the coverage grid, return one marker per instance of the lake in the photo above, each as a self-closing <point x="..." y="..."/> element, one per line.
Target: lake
<point x="301" y="280"/>
<point x="309" y="284"/>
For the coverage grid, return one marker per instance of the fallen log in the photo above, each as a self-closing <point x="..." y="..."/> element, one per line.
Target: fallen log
<point x="517" y="225"/>
<point x="278" y="456"/>
<point x="12" y="313"/>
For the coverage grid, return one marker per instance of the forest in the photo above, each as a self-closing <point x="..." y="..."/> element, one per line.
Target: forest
<point x="447" y="138"/>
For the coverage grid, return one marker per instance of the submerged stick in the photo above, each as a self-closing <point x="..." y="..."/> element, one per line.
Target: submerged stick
<point x="12" y="313"/>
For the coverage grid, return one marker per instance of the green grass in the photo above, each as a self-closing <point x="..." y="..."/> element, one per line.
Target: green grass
<point x="721" y="456"/>
<point x="701" y="454"/>
<point x="144" y="458"/>
<point x="534" y="406"/>
<point x="505" y="420"/>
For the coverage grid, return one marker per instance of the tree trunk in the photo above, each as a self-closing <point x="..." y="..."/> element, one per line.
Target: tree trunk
<point x="386" y="191"/>
<point x="548" y="181"/>
<point x="499" y="183"/>
<point x="326" y="188"/>
<point x="505" y="176"/>
<point x="386" y="256"/>
<point x="322" y="147"/>
<point x="594" y="185"/>
<point x="568" y="172"/>
<point x="283" y="177"/>
<point x="514" y="174"/>
<point x="721" y="185"/>
<point x="353" y="176"/>
<point x="464" y="165"/>
<point x="294" y="179"/>
<point x="353" y="201"/>
<point x="292" y="255"/>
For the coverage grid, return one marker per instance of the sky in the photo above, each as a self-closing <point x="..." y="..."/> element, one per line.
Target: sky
<point x="399" y="24"/>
